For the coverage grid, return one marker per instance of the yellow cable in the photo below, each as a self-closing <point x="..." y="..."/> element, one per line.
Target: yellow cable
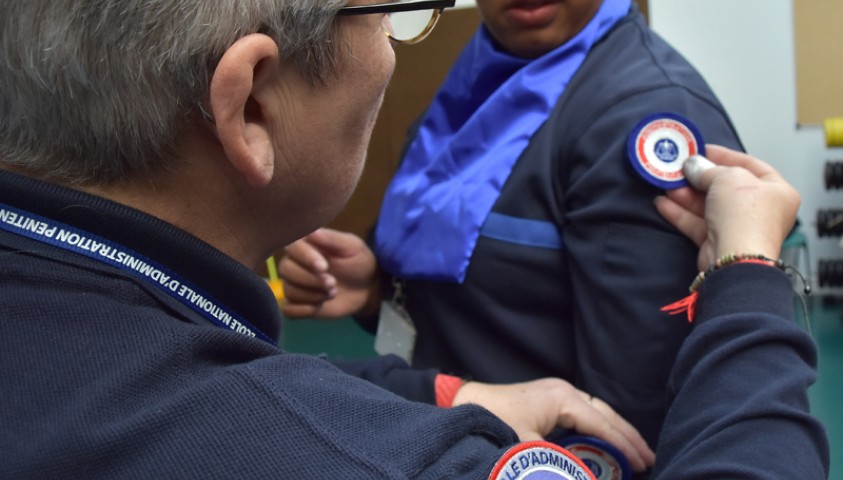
<point x="275" y="283"/>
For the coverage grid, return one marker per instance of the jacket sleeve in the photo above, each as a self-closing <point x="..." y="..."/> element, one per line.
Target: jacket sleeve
<point x="740" y="386"/>
<point x="392" y="373"/>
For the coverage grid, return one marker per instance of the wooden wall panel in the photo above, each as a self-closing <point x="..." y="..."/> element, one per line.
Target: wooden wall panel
<point x="819" y="50"/>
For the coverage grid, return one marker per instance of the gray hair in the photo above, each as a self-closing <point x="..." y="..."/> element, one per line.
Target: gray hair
<point x="97" y="91"/>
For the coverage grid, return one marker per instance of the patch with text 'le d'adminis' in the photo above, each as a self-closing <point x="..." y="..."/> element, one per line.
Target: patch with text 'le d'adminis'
<point x="540" y="461"/>
<point x="659" y="145"/>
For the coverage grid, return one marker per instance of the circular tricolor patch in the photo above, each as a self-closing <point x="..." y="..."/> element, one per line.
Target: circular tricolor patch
<point x="605" y="461"/>
<point x="540" y="461"/>
<point x="659" y="145"/>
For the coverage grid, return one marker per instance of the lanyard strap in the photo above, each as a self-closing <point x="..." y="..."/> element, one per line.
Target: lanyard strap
<point x="110" y="253"/>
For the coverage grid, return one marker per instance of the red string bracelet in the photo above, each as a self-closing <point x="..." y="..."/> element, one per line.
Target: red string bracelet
<point x="689" y="303"/>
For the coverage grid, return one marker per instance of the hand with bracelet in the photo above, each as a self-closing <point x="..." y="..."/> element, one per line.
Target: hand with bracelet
<point x="739" y="386"/>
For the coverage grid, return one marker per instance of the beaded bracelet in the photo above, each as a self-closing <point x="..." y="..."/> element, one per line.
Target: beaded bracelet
<point x="735" y="258"/>
<point x="689" y="303"/>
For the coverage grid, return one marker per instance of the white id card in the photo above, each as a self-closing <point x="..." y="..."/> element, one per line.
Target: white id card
<point x="396" y="333"/>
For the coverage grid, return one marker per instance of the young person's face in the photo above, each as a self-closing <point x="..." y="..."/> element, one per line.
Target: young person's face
<point x="531" y="28"/>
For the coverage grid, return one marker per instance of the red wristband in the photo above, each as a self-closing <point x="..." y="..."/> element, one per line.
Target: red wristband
<point x="446" y="387"/>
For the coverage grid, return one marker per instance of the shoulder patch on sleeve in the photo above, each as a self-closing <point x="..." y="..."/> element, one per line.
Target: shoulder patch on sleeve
<point x="605" y="461"/>
<point x="659" y="145"/>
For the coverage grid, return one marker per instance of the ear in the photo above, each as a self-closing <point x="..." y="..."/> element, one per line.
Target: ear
<point x="248" y="66"/>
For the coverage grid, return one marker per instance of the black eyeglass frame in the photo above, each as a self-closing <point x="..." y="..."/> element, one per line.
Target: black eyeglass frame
<point x="393" y="7"/>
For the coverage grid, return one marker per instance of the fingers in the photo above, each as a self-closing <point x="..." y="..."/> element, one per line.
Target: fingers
<point x="334" y="243"/>
<point x="596" y="418"/>
<point x="308" y="252"/>
<point x="307" y="283"/>
<point x="535" y="408"/>
<point x="304" y="291"/>
<point x="690" y="224"/>
<point x="732" y="158"/>
<point x="303" y="274"/>
<point x="304" y="254"/>
<point x="628" y="431"/>
<point x="700" y="171"/>
<point x="314" y="251"/>
<point x="689" y="199"/>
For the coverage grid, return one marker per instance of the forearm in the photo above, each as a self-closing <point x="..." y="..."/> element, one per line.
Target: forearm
<point x="740" y="383"/>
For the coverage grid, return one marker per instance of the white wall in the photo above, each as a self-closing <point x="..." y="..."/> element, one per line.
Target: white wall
<point x="745" y="49"/>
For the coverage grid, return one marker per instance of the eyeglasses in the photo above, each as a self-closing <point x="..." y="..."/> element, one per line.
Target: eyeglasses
<point x="405" y="21"/>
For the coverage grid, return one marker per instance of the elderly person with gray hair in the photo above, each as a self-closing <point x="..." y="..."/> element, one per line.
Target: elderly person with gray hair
<point x="153" y="153"/>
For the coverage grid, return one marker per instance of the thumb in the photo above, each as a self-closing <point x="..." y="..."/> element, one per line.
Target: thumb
<point x="697" y="170"/>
